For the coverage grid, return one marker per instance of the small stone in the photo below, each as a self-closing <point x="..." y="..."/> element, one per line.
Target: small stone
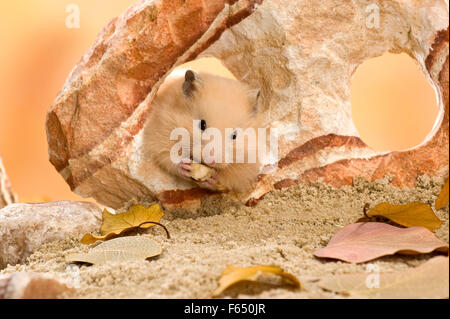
<point x="24" y="285"/>
<point x="25" y="227"/>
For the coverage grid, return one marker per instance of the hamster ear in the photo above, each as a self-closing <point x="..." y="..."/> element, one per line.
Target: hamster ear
<point x="191" y="83"/>
<point x="255" y="100"/>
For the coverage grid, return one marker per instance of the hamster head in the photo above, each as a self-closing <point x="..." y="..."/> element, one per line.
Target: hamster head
<point x="215" y="108"/>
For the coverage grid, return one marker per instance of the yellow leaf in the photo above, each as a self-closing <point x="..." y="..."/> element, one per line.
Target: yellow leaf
<point x="232" y="275"/>
<point x="429" y="280"/>
<point x="116" y="224"/>
<point x="442" y="199"/>
<point x="409" y="215"/>
<point x="121" y="249"/>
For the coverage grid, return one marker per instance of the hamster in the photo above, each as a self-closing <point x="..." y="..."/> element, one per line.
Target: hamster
<point x="213" y="102"/>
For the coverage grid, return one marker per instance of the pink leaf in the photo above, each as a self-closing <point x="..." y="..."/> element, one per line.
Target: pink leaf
<point x="361" y="242"/>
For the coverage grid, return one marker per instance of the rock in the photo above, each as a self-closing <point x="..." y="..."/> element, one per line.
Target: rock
<point x="23" y="285"/>
<point x="302" y="56"/>
<point x="7" y="196"/>
<point x="25" y="227"/>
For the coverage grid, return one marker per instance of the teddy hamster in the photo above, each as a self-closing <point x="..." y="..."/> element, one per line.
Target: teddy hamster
<point x="213" y="102"/>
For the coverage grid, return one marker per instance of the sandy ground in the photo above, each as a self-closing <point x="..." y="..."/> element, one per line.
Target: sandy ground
<point x="284" y="229"/>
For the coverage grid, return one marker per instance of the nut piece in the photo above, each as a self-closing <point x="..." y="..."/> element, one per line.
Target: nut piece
<point x="201" y="172"/>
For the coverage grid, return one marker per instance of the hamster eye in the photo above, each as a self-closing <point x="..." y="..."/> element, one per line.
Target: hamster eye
<point x="202" y="125"/>
<point x="234" y="135"/>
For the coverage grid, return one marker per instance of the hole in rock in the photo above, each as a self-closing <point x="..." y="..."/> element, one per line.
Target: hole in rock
<point x="394" y="105"/>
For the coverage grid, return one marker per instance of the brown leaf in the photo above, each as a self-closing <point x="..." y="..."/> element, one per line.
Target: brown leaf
<point x="442" y="199"/>
<point x="361" y="242"/>
<point x="409" y="215"/>
<point x="116" y="224"/>
<point x="121" y="249"/>
<point x="429" y="280"/>
<point x="232" y="275"/>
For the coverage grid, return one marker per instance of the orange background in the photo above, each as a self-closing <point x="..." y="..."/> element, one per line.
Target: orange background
<point x="38" y="51"/>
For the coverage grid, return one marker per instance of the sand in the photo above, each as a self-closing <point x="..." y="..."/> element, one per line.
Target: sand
<point x="284" y="229"/>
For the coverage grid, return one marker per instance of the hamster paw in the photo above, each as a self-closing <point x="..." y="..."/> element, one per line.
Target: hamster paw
<point x="184" y="168"/>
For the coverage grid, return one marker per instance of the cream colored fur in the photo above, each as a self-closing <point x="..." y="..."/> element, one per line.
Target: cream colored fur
<point x="222" y="103"/>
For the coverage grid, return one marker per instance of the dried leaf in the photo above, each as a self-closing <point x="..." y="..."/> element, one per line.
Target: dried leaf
<point x="116" y="224"/>
<point x="409" y="215"/>
<point x="232" y="275"/>
<point x="361" y="242"/>
<point x="201" y="172"/>
<point x="121" y="249"/>
<point x="429" y="280"/>
<point x="442" y="199"/>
